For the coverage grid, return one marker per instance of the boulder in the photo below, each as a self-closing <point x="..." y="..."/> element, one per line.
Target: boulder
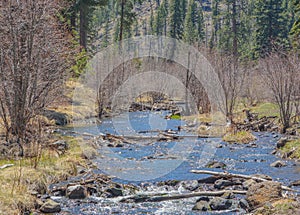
<point x="50" y="206"/>
<point x="278" y="164"/>
<point x="263" y="192"/>
<point x="201" y="206"/>
<point x="295" y="183"/>
<point x="248" y="183"/>
<point x="221" y="183"/>
<point x="244" y="204"/>
<point x="114" y="192"/>
<point x="218" y="203"/>
<point x="76" y="192"/>
<point x="281" y="142"/>
<point x="216" y="164"/>
<point x="60" y="145"/>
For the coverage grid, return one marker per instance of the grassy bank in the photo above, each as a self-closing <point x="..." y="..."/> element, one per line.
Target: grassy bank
<point x="20" y="183"/>
<point x="239" y="137"/>
<point x="292" y="148"/>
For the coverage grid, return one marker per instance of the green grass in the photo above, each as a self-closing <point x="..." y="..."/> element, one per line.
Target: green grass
<point x="266" y="109"/>
<point x="292" y="146"/>
<point x="239" y="137"/>
<point x="176" y="116"/>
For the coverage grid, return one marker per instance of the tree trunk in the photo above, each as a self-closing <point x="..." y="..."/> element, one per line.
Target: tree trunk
<point x="83" y="25"/>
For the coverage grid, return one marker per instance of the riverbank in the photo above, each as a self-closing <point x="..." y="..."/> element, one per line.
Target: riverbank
<point x="21" y="183"/>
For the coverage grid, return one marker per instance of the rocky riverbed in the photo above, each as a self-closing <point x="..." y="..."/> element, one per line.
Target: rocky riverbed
<point x="180" y="191"/>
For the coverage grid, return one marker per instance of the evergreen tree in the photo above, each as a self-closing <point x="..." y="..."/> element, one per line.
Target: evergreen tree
<point x="215" y="23"/>
<point x="200" y="26"/>
<point x="295" y="31"/>
<point x="176" y="19"/>
<point x="270" y="26"/>
<point x="160" y="23"/>
<point x="190" y="25"/>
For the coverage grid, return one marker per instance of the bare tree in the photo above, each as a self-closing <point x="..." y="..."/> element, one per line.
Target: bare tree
<point x="232" y="77"/>
<point x="33" y="57"/>
<point x="281" y="72"/>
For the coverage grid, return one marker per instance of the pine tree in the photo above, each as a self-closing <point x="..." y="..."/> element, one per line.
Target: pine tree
<point x="270" y="26"/>
<point x="295" y="31"/>
<point x="200" y="26"/>
<point x="160" y="23"/>
<point x="176" y="19"/>
<point x="215" y="23"/>
<point x="190" y="25"/>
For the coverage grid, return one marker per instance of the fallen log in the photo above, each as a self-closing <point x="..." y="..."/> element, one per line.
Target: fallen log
<point x="232" y="175"/>
<point x="158" y="197"/>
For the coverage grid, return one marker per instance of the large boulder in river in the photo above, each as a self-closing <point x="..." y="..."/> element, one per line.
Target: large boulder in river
<point x="50" y="206"/>
<point x="263" y="192"/>
<point x="76" y="192"/>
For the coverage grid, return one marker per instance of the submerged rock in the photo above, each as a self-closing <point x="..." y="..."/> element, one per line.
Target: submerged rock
<point x="76" y="192"/>
<point x="295" y="183"/>
<point x="216" y="164"/>
<point x="263" y="192"/>
<point x="278" y="164"/>
<point x="50" y="206"/>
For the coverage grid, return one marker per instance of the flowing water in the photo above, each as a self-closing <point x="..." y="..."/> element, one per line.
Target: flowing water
<point x="176" y="165"/>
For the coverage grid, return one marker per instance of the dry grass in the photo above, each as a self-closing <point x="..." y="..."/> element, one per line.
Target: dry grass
<point x="239" y="137"/>
<point x="18" y="182"/>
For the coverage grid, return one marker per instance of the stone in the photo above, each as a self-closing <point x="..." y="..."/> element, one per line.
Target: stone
<point x="201" y="206"/>
<point x="281" y="142"/>
<point x="218" y="203"/>
<point x="263" y="192"/>
<point x="60" y="145"/>
<point x="216" y="164"/>
<point x="76" y="192"/>
<point x="295" y="183"/>
<point x="50" y="206"/>
<point x="115" y="192"/>
<point x="278" y="164"/>
<point x="248" y="183"/>
<point x="244" y="204"/>
<point x="221" y="183"/>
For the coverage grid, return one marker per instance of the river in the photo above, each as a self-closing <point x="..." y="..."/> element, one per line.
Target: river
<point x="254" y="158"/>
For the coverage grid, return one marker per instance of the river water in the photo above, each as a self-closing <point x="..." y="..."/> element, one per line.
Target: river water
<point x="162" y="163"/>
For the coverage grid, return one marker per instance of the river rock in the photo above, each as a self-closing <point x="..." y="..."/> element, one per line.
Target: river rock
<point x="295" y="183"/>
<point x="216" y="164"/>
<point x="244" y="204"/>
<point x="50" y="206"/>
<point x="60" y="145"/>
<point x="76" y="192"/>
<point x="114" y="192"/>
<point x="248" y="183"/>
<point x="281" y="142"/>
<point x="278" y="164"/>
<point x="218" y="203"/>
<point x="221" y="183"/>
<point x="201" y="206"/>
<point x="263" y="192"/>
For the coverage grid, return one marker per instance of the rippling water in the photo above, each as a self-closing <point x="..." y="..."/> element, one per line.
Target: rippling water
<point x="239" y="158"/>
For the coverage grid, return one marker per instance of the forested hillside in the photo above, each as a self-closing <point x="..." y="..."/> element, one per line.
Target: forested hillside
<point x="245" y="28"/>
